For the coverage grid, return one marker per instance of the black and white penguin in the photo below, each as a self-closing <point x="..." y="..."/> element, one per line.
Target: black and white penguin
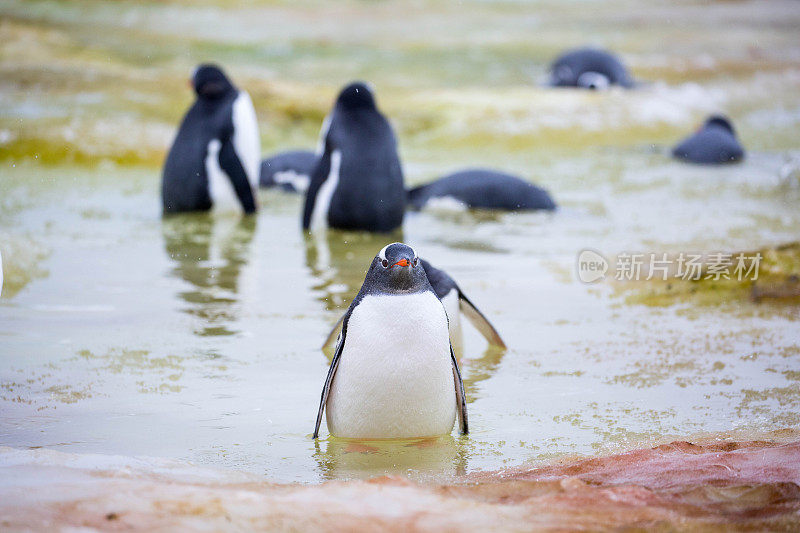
<point x="589" y="68"/>
<point x="358" y="181"/>
<point x="290" y="170"/>
<point x="394" y="373"/>
<point x="214" y="158"/>
<point x="714" y="143"/>
<point x="455" y="303"/>
<point x="483" y="189"/>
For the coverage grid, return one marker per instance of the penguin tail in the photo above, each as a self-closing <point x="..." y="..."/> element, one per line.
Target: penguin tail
<point x="480" y="322"/>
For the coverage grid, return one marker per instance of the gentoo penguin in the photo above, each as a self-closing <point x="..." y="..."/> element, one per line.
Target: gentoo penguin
<point x="288" y="170"/>
<point x="484" y="189"/>
<point x="714" y="143"/>
<point x="394" y="373"/>
<point x="357" y="182"/>
<point x="214" y="158"/>
<point x="455" y="302"/>
<point x="589" y="68"/>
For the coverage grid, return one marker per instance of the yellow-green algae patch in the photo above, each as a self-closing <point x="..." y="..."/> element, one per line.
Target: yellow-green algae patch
<point x="778" y="281"/>
<point x="48" y="151"/>
<point x="124" y="360"/>
<point x="22" y="262"/>
<point x="455" y="91"/>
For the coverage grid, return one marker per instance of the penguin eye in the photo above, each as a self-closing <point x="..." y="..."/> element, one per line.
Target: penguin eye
<point x="385" y="263"/>
<point x="416" y="260"/>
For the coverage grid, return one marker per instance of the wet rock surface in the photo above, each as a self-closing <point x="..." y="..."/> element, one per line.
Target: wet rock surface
<point x="719" y="485"/>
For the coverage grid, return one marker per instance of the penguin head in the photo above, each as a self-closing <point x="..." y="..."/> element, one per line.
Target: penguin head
<point x="209" y="81"/>
<point x="356" y="95"/>
<point x="720" y="121"/>
<point x="397" y="269"/>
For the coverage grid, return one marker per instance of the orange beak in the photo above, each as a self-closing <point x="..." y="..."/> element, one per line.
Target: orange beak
<point x="402" y="263"/>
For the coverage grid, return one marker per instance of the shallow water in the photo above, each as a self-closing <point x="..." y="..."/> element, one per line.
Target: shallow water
<point x="198" y="337"/>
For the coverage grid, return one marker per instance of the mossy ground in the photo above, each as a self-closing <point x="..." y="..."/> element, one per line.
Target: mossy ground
<point x="88" y="82"/>
<point x="778" y="282"/>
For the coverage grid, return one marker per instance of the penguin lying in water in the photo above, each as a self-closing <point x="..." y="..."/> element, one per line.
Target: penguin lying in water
<point x="714" y="143"/>
<point x="589" y="68"/>
<point x="484" y="189"/>
<point x="290" y="170"/>
<point x="455" y="303"/>
<point x="358" y="181"/>
<point x="394" y="373"/>
<point x="214" y="158"/>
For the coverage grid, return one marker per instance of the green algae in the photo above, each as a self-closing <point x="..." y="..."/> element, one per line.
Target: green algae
<point x="777" y="282"/>
<point x="51" y="152"/>
<point x="140" y="70"/>
<point x="23" y="261"/>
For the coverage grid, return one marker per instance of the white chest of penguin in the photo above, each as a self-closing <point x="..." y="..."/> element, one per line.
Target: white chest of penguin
<point x="247" y="145"/>
<point x="395" y="374"/>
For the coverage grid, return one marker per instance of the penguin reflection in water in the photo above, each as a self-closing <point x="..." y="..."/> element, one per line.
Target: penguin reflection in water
<point x="214" y="160"/>
<point x="394" y="373"/>
<point x="210" y="254"/>
<point x="357" y="183"/>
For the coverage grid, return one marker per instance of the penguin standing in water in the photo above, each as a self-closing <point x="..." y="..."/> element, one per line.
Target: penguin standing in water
<point x="455" y="303"/>
<point x="589" y="68"/>
<point x="394" y="373"/>
<point x="357" y="183"/>
<point x="714" y="143"/>
<point x="214" y="159"/>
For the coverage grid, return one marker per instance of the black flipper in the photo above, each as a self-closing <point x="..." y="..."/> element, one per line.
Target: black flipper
<point x="229" y="162"/>
<point x="478" y="320"/>
<point x="331" y="373"/>
<point x="461" y="398"/>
